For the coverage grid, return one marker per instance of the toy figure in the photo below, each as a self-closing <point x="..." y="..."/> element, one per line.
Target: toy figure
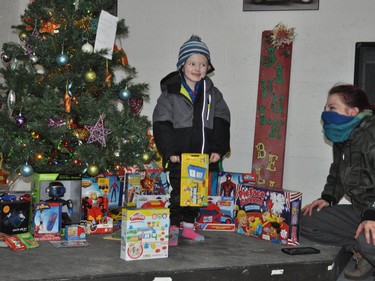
<point x="94" y="207"/>
<point x="56" y="190"/>
<point x="113" y="192"/>
<point x="228" y="187"/>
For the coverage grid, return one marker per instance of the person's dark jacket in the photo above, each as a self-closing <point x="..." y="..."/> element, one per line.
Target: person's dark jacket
<point x="181" y="126"/>
<point x="352" y="172"/>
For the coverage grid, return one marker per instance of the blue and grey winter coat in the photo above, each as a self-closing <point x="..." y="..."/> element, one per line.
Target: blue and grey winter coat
<point x="181" y="126"/>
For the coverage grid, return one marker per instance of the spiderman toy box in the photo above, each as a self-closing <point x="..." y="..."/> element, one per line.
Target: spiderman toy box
<point x="14" y="217"/>
<point x="268" y="214"/>
<point x="229" y="182"/>
<point x="47" y="221"/>
<point x="59" y="188"/>
<point x="144" y="233"/>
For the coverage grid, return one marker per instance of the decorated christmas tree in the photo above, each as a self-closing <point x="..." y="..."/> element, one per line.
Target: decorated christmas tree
<point x="69" y="105"/>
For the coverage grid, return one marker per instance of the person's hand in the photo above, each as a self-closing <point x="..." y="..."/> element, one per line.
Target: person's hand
<point x="175" y="159"/>
<point x="369" y="228"/>
<point x="318" y="204"/>
<point x="214" y="157"/>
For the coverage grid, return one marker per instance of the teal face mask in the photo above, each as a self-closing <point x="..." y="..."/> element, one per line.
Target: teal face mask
<point x="337" y="127"/>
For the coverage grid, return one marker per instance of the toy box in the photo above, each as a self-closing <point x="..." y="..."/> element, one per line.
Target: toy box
<point x="151" y="182"/>
<point x="144" y="234"/>
<point x="229" y="182"/>
<point x="14" y="217"/>
<point x="47" y="221"/>
<point x="60" y="188"/>
<point x="112" y="186"/>
<point x="269" y="214"/>
<point x="194" y="179"/>
<point x="150" y="201"/>
<point x="75" y="232"/>
<point x="218" y="215"/>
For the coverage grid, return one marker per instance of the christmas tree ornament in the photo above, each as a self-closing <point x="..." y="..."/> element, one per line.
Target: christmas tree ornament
<point x="93" y="170"/>
<point x="34" y="59"/>
<point x="146" y="158"/>
<point x="26" y="170"/>
<point x="123" y="58"/>
<point x="40" y="69"/>
<point x="90" y="76"/>
<point x="68" y="97"/>
<point x="13" y="63"/>
<point x="81" y="133"/>
<point x="6" y="57"/>
<point x="3" y="174"/>
<point x="49" y="26"/>
<point x="62" y="59"/>
<point x="87" y="48"/>
<point x="23" y="36"/>
<point x="97" y="132"/>
<point x="108" y="75"/>
<point x="125" y="94"/>
<point x="20" y="120"/>
<point x="136" y="105"/>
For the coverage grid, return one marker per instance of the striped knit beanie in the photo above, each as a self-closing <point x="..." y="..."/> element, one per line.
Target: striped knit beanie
<point x="193" y="46"/>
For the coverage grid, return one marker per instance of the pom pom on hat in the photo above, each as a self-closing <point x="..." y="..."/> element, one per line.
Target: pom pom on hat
<point x="194" y="45"/>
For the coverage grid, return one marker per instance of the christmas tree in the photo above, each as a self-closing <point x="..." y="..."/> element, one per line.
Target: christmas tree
<point x="67" y="106"/>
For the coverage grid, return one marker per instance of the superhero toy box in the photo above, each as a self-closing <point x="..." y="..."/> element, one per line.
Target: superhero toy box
<point x="269" y="214"/>
<point x="47" y="221"/>
<point x="14" y="217"/>
<point x="59" y="188"/>
<point x="144" y="234"/>
<point x="218" y="215"/>
<point x="147" y="186"/>
<point x="194" y="180"/>
<point x="95" y="206"/>
<point x="228" y="183"/>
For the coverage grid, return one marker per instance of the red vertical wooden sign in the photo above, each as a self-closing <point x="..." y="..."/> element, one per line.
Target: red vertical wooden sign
<point x="271" y="112"/>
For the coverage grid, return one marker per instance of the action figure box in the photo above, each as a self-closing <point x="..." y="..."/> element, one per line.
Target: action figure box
<point x="269" y="214"/>
<point x="47" y="221"/>
<point x="218" y="215"/>
<point x="95" y="206"/>
<point x="14" y="217"/>
<point x="61" y="188"/>
<point x="112" y="186"/>
<point x="146" y="185"/>
<point x="228" y="182"/>
<point x="144" y="233"/>
<point x="194" y="180"/>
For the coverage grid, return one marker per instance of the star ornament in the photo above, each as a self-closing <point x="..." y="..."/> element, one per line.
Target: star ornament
<point x="97" y="132"/>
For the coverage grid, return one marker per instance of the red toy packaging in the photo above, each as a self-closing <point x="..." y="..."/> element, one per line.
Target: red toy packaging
<point x="15" y="243"/>
<point x="269" y="214"/>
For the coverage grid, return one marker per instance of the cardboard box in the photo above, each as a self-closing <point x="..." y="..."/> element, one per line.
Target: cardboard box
<point x="14" y="217"/>
<point x="194" y="179"/>
<point x="230" y="182"/>
<point x="49" y="187"/>
<point x="47" y="221"/>
<point x="144" y="234"/>
<point x="269" y="214"/>
<point x="75" y="232"/>
<point x="218" y="215"/>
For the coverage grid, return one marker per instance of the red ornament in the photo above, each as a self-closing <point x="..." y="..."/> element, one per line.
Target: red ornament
<point x="136" y="105"/>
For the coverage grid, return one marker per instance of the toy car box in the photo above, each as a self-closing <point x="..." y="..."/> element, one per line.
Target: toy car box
<point x="14" y="217"/>
<point x="218" y="215"/>
<point x="269" y="214"/>
<point x="144" y="233"/>
<point x="60" y="188"/>
<point x="194" y="180"/>
<point x="47" y="221"/>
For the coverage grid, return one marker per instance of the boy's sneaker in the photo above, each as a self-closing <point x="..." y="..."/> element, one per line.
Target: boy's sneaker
<point x="362" y="270"/>
<point x="173" y="236"/>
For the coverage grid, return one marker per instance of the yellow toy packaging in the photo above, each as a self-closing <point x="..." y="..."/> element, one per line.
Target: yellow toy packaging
<point x="194" y="179"/>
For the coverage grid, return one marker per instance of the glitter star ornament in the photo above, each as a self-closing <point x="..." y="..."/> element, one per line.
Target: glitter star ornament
<point x="97" y="132"/>
<point x="49" y="26"/>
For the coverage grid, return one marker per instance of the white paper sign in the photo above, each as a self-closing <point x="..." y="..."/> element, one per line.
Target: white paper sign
<point x="106" y="33"/>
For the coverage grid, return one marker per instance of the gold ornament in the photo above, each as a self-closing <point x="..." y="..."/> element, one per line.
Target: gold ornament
<point x="82" y="134"/>
<point x="146" y="158"/>
<point x="23" y="36"/>
<point x="84" y="23"/>
<point x="93" y="170"/>
<point x="90" y="76"/>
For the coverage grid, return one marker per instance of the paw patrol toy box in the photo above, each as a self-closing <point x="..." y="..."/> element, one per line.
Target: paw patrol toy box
<point x="144" y="234"/>
<point x="194" y="180"/>
<point x="269" y="214"/>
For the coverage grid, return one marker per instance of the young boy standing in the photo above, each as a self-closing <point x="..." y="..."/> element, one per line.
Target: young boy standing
<point x="190" y="116"/>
